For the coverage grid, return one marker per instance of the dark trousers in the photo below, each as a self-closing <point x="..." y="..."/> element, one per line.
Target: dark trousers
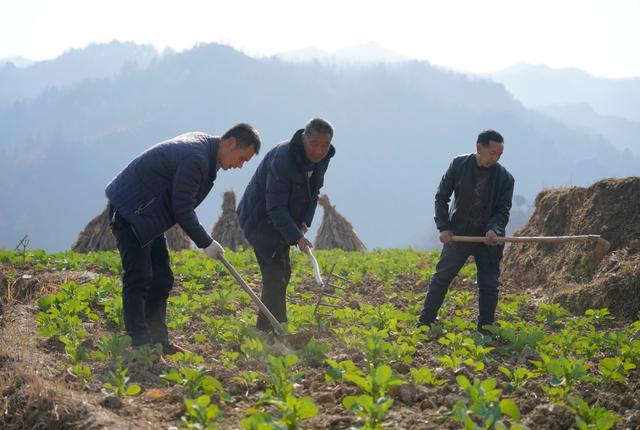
<point x="276" y="273"/>
<point x="146" y="281"/>
<point x="453" y="257"/>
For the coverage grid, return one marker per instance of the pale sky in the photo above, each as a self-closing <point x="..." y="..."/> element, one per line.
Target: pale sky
<point x="601" y="37"/>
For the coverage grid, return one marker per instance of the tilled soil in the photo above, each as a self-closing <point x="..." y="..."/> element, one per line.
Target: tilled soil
<point x="37" y="392"/>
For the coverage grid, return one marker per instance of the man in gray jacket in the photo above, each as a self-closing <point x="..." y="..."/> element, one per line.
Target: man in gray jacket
<point x="159" y="188"/>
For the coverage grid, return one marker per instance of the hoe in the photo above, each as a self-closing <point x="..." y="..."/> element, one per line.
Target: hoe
<point x="291" y="340"/>
<point x="602" y="245"/>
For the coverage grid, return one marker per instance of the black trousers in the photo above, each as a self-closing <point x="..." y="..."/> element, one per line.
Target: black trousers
<point x="146" y="281"/>
<point x="276" y="273"/>
<point x="452" y="258"/>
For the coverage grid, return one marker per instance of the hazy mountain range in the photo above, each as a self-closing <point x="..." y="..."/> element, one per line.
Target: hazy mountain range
<point x="16" y="61"/>
<point x="360" y="54"/>
<point x="22" y="79"/>
<point x="620" y="132"/>
<point x="609" y="108"/>
<point x="539" y="85"/>
<point x="398" y="125"/>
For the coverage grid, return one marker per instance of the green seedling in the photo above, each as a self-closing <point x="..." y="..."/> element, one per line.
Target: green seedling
<point x="111" y="348"/>
<point x="201" y="414"/>
<point x="293" y="410"/>
<point x="119" y="384"/>
<point x="425" y="376"/>
<point x="113" y="310"/>
<point x="280" y="376"/>
<point x="483" y="405"/>
<point x="614" y="369"/>
<point x="196" y="381"/>
<point x="375" y="384"/>
<point x="143" y="357"/>
<point x="594" y="417"/>
<point x="518" y="377"/>
<point x="313" y="352"/>
<point x="372" y="412"/>
<point x="252" y="347"/>
<point x="81" y="372"/>
<point x="598" y="317"/>
<point x="248" y="378"/>
<point x="517" y="336"/>
<point x="550" y="313"/>
<point x="185" y="359"/>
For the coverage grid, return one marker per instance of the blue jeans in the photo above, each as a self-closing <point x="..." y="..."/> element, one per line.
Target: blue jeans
<point x="146" y="281"/>
<point x="452" y="258"/>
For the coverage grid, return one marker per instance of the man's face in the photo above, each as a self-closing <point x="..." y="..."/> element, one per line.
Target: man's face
<point x="231" y="156"/>
<point x="316" y="145"/>
<point x="489" y="155"/>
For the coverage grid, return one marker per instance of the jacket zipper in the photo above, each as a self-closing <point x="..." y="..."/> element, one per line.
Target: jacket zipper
<point x="308" y="185"/>
<point x="143" y="207"/>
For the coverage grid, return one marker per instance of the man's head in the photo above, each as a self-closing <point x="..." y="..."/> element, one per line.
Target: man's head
<point x="237" y="146"/>
<point x="316" y="138"/>
<point x="489" y="148"/>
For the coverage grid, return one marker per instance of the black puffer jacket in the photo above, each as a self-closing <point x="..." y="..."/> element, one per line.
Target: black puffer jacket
<point x="458" y="180"/>
<point x="164" y="185"/>
<point x="281" y="196"/>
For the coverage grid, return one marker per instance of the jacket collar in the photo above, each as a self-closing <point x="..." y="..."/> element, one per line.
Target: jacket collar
<point x="472" y="163"/>
<point x="213" y="158"/>
<point x="300" y="158"/>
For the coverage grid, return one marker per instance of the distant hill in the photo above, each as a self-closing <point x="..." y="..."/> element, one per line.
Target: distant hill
<point x="19" y="62"/>
<point x="620" y="132"/>
<point x="27" y="80"/>
<point x="359" y="54"/>
<point x="540" y="85"/>
<point x="305" y="54"/>
<point x="397" y="128"/>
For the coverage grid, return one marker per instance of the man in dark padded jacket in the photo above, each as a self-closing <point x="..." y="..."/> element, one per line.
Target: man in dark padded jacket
<point x="278" y="206"/>
<point x="159" y="188"/>
<point x="483" y="191"/>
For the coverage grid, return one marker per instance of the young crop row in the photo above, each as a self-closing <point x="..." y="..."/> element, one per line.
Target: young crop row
<point x="370" y="346"/>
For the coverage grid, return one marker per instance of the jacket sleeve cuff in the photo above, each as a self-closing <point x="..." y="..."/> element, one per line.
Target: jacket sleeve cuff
<point x="205" y="243"/>
<point x="293" y="236"/>
<point x="495" y="227"/>
<point x="444" y="227"/>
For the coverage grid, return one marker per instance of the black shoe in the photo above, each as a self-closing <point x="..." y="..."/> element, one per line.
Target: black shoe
<point x="484" y="337"/>
<point x="424" y="323"/>
<point x="483" y="331"/>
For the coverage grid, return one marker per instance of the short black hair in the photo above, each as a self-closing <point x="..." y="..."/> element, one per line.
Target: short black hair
<point x="318" y="125"/>
<point x="246" y="135"/>
<point x="487" y="136"/>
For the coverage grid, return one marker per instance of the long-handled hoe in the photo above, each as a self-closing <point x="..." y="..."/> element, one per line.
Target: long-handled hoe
<point x="291" y="340"/>
<point x="601" y="249"/>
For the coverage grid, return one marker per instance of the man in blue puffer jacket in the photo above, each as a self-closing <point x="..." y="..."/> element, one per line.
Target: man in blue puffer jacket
<point x="159" y="188"/>
<point x="278" y="206"/>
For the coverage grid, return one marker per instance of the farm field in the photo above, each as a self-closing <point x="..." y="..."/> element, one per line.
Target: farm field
<point x="65" y="363"/>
